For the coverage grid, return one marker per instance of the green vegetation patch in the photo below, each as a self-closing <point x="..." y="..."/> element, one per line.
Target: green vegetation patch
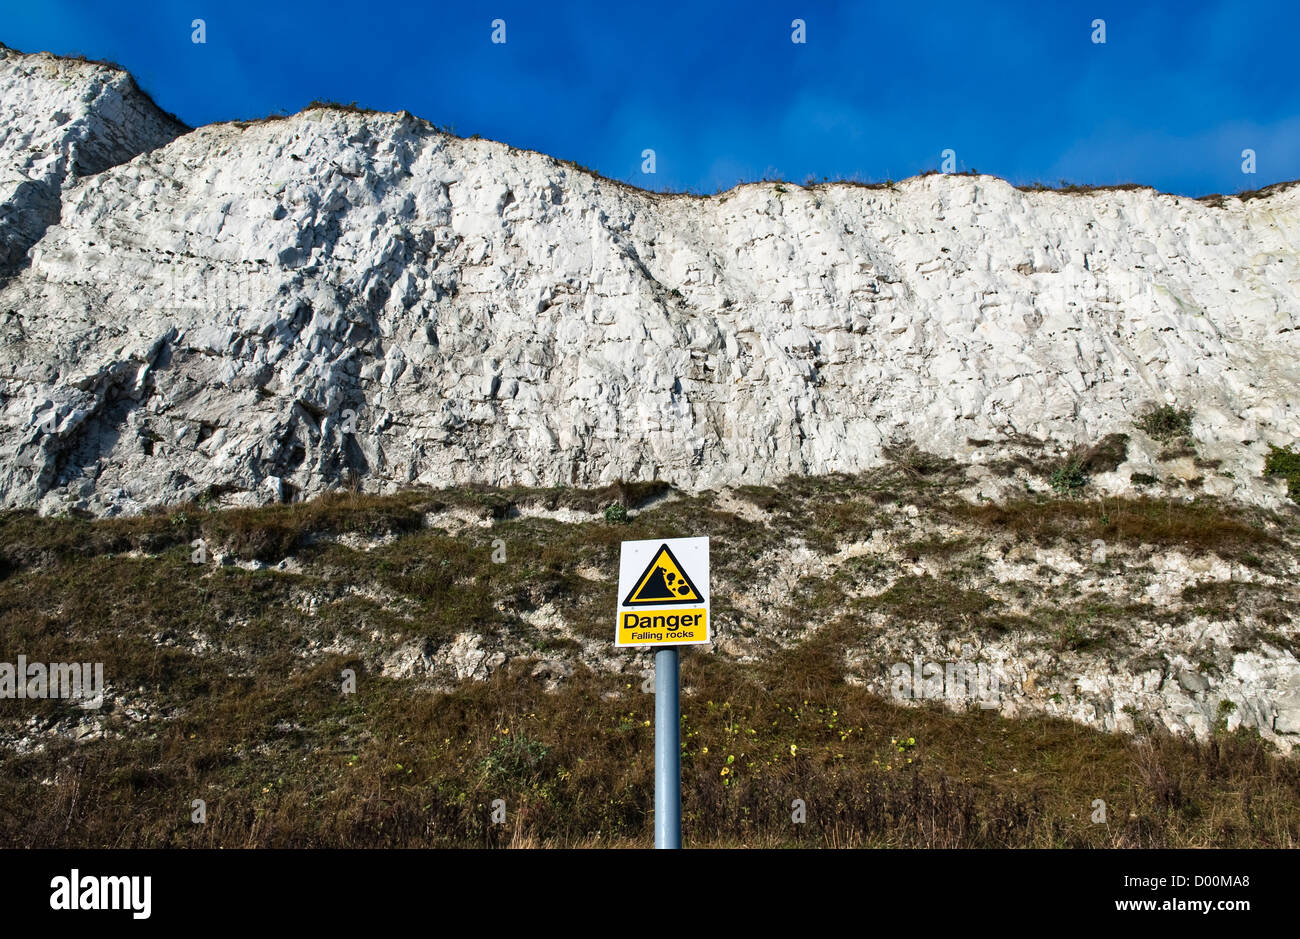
<point x="1069" y="478"/>
<point x="1165" y="422"/>
<point x="928" y="599"/>
<point x="1285" y="462"/>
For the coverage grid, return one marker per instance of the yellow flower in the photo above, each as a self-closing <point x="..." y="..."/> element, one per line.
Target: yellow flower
<point x="726" y="771"/>
<point x="793" y="749"/>
<point x="704" y="749"/>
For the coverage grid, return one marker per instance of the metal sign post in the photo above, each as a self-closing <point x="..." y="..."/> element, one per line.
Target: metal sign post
<point x="664" y="585"/>
<point x="668" y="751"/>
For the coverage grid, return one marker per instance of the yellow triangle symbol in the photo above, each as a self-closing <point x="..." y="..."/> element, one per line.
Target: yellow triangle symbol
<point x="663" y="581"/>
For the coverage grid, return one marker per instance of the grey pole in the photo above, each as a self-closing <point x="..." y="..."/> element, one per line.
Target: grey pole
<point x="668" y="753"/>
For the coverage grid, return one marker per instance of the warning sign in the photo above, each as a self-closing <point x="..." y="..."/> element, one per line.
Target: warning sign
<point x="663" y="581"/>
<point x="665" y="589"/>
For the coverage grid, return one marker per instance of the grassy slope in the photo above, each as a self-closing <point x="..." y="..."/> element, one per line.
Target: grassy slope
<point x="232" y="694"/>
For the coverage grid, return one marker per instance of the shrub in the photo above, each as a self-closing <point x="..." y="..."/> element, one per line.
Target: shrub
<point x="1106" y="455"/>
<point x="1226" y="710"/>
<point x="1142" y="479"/>
<point x="1284" y="462"/>
<point x="1069" y="478"/>
<point x="1165" y="422"/>
<point x="616" y="513"/>
<point x="918" y="463"/>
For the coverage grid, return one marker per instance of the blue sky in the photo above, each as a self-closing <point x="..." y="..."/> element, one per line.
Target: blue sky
<point x="720" y="92"/>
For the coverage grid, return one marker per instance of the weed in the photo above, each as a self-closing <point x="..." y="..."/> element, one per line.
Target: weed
<point x="1284" y="462"/>
<point x="1224" y="711"/>
<point x="1069" y="478"/>
<point x="1165" y="422"/>
<point x="514" y="758"/>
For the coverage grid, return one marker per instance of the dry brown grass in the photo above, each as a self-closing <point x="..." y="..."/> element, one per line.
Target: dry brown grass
<point x="1202" y="524"/>
<point x="397" y="768"/>
<point x="1068" y="188"/>
<point x="254" y="721"/>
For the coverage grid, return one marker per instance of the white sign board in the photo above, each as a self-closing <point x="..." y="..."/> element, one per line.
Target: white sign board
<point x="663" y="593"/>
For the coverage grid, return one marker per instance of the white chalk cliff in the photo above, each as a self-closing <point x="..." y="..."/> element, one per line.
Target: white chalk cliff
<point x="269" y="307"/>
<point x="63" y="120"/>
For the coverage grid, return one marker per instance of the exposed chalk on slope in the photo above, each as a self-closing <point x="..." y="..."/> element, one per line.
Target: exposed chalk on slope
<point x="61" y="119"/>
<point x="268" y="308"/>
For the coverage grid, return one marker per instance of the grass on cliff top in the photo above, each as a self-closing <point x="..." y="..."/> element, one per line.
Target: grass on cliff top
<point x="240" y="682"/>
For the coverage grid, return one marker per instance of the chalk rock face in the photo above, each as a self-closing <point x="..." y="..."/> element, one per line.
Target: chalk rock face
<point x="63" y="119"/>
<point x="266" y="309"/>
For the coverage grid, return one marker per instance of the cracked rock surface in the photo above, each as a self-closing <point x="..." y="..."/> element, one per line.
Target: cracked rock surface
<point x="64" y="119"/>
<point x="262" y="310"/>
